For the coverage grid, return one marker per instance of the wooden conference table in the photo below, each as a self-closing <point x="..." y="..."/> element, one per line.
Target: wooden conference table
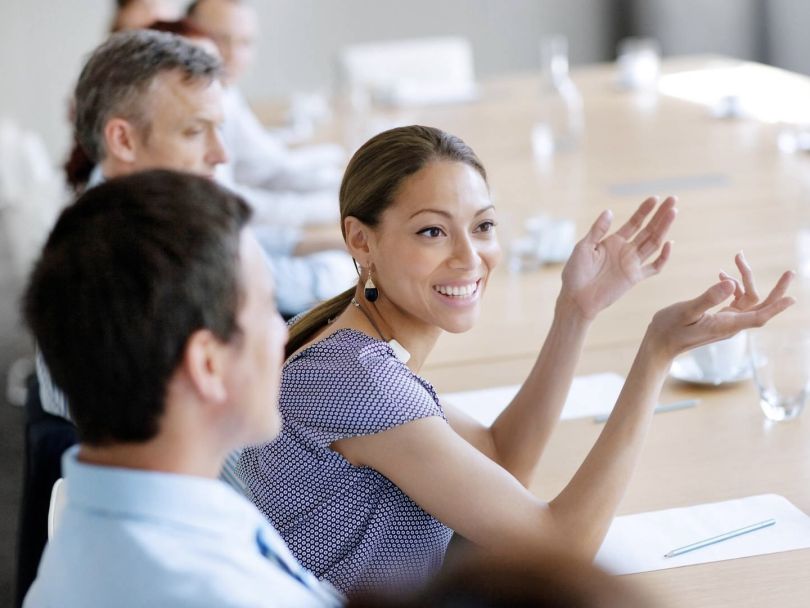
<point x="736" y="190"/>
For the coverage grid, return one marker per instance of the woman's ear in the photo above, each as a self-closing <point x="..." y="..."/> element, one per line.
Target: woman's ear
<point x="119" y="140"/>
<point x="359" y="239"/>
<point x="205" y="361"/>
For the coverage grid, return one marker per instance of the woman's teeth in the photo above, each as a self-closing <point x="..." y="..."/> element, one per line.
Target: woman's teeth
<point x="462" y="291"/>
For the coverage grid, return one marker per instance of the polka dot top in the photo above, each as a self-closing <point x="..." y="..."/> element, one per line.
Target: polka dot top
<point x="348" y="525"/>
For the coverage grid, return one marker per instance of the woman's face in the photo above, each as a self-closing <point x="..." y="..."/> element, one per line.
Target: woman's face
<point x="435" y="246"/>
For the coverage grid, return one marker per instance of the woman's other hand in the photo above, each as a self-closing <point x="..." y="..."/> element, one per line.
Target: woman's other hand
<point x="690" y="324"/>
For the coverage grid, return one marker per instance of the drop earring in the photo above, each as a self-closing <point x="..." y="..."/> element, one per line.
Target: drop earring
<point x="370" y="290"/>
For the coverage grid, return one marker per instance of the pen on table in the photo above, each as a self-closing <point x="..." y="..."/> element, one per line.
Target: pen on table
<point x="661" y="409"/>
<point x="721" y="537"/>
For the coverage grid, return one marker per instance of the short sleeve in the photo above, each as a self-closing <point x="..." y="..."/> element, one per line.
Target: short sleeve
<point x="349" y="387"/>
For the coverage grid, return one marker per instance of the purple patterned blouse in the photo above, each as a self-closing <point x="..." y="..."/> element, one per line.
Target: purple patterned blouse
<point x="349" y="525"/>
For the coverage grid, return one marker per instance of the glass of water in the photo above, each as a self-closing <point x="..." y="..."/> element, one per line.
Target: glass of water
<point x="781" y="362"/>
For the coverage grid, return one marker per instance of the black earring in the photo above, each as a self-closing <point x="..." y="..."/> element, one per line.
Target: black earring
<point x="370" y="290"/>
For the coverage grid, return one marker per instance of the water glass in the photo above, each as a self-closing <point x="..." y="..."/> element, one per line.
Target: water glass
<point x="781" y="364"/>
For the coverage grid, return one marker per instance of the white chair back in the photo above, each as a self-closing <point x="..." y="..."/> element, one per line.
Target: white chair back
<point x="412" y="72"/>
<point x="57" y="505"/>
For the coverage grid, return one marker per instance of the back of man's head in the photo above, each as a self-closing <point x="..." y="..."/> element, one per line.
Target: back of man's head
<point x="116" y="80"/>
<point x="128" y="274"/>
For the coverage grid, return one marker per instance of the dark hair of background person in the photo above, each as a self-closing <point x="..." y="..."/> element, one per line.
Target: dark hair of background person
<point x="128" y="274"/>
<point x="549" y="580"/>
<point x="370" y="183"/>
<point x="115" y="79"/>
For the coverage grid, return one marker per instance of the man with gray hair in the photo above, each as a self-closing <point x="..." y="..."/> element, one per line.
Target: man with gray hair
<point x="153" y="100"/>
<point x="149" y="100"/>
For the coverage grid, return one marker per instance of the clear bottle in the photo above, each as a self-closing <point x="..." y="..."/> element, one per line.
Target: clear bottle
<point x="560" y="116"/>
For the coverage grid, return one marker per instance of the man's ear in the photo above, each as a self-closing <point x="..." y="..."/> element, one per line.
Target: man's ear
<point x="359" y="239"/>
<point x="205" y="361"/>
<point x="120" y="140"/>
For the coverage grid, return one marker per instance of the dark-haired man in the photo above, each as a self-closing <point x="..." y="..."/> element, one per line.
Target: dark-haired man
<point x="153" y="307"/>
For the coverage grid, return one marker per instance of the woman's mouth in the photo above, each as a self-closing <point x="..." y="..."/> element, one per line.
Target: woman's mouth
<point x="459" y="292"/>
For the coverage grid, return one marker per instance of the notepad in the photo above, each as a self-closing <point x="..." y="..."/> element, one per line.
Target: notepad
<point x="589" y="396"/>
<point x="637" y="543"/>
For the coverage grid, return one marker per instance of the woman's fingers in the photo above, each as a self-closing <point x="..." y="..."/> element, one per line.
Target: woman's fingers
<point x="747" y="277"/>
<point x="713" y="296"/>
<point x="657" y="264"/>
<point x="761" y="315"/>
<point x="599" y="228"/>
<point x="650" y="238"/>
<point x="778" y="290"/>
<point x="738" y="291"/>
<point x="636" y="220"/>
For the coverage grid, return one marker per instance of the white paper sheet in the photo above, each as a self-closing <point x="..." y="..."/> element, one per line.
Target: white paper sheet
<point x="637" y="543"/>
<point x="589" y="396"/>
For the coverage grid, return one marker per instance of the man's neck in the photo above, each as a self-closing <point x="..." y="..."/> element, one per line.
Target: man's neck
<point x="163" y="454"/>
<point x="111" y="168"/>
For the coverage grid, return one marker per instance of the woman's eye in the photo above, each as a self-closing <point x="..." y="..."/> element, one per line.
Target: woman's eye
<point x="487" y="226"/>
<point x="432" y="232"/>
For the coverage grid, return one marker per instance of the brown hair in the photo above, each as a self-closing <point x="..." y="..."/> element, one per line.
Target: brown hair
<point x="372" y="178"/>
<point x="130" y="271"/>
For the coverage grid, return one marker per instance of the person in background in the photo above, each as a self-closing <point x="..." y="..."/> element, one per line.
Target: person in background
<point x="153" y="307"/>
<point x="136" y="14"/>
<point x="306" y="177"/>
<point x="289" y="189"/>
<point x="371" y="474"/>
<point x="310" y="265"/>
<point x="131" y="15"/>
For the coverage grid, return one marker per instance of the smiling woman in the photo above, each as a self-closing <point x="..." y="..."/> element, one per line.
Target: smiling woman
<point x="371" y="474"/>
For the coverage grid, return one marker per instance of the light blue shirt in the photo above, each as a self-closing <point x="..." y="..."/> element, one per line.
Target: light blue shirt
<point x="132" y="538"/>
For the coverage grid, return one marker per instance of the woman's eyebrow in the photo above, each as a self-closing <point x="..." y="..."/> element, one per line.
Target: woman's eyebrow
<point x="449" y="215"/>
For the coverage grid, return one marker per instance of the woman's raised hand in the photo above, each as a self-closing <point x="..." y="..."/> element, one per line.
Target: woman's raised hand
<point x="689" y="324"/>
<point x="602" y="268"/>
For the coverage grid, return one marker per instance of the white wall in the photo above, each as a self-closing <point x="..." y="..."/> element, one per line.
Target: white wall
<point x="43" y="43"/>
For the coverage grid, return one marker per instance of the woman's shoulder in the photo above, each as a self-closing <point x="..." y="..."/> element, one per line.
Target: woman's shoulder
<point x="349" y="367"/>
<point x="346" y="349"/>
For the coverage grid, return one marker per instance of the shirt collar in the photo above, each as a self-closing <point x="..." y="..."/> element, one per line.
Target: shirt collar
<point x="96" y="177"/>
<point x="184" y="500"/>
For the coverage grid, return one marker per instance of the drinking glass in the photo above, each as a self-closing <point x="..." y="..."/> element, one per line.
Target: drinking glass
<point x="781" y="364"/>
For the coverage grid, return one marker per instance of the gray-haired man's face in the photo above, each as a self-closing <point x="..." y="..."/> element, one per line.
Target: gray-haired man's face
<point x="185" y="118"/>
